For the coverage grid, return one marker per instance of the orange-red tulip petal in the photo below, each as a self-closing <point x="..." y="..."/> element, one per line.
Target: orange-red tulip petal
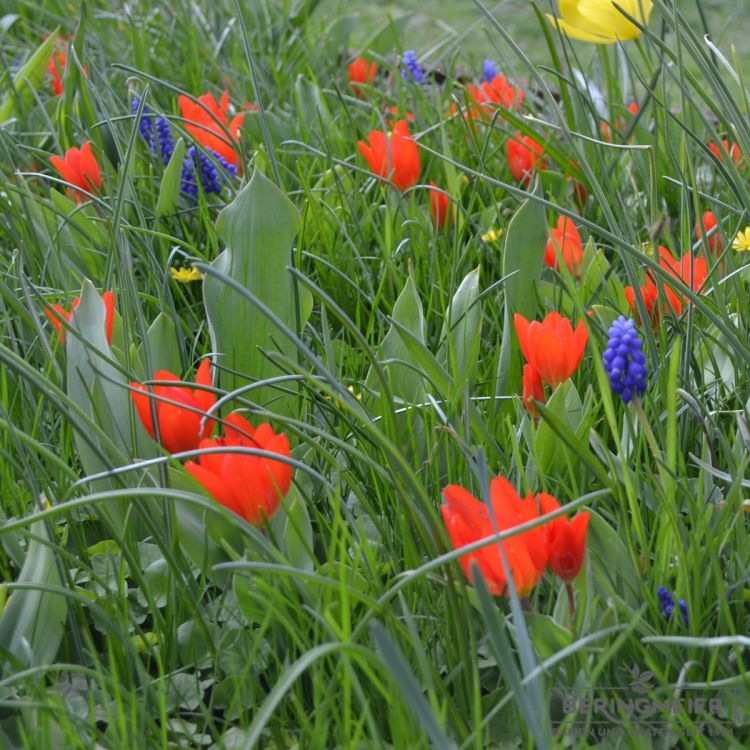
<point x="179" y="409"/>
<point x="79" y="168"/>
<point x="250" y="486"/>
<point x="394" y="156"/>
<point x="552" y="346"/>
<point x="566" y="540"/>
<point x="208" y="122"/>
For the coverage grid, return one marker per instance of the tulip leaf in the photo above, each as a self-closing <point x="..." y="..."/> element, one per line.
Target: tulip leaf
<point x="29" y="78"/>
<point x="258" y="228"/>
<point x="169" y="191"/>
<point x="525" y="243"/>
<point x="404" y="373"/>
<point x="32" y="622"/>
<point x="160" y="350"/>
<point x="89" y="362"/>
<point x="566" y="404"/>
<point x="461" y="335"/>
<point x="297" y="533"/>
<point x="311" y="108"/>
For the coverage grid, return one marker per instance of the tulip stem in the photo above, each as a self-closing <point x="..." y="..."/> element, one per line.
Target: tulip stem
<point x="571" y="602"/>
<point x="526" y="604"/>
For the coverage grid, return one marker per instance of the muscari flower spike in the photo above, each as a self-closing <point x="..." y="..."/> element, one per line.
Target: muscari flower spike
<point x="199" y="166"/>
<point x="488" y="70"/>
<point x="666" y="602"/>
<point x="412" y="68"/>
<point x="155" y="131"/>
<point x="624" y="362"/>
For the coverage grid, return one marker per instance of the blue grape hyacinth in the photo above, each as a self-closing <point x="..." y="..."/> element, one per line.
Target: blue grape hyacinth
<point x="666" y="602"/>
<point x="412" y="69"/>
<point x="155" y="131"/>
<point x="624" y="361"/>
<point x="488" y="70"/>
<point x="199" y="167"/>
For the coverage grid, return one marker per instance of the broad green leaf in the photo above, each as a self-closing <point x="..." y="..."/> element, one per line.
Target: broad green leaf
<point x="160" y="350"/>
<point x="566" y="404"/>
<point x="313" y="111"/>
<point x="403" y="371"/>
<point x="96" y="386"/>
<point x="169" y="191"/>
<point x="32" y="621"/>
<point x="27" y="80"/>
<point x="258" y="228"/>
<point x="461" y="335"/>
<point x="297" y="533"/>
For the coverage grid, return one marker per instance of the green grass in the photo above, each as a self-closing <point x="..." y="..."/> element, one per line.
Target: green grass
<point x="141" y="613"/>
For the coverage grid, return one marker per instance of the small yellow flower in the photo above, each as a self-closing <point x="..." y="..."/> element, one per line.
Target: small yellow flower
<point x="492" y="235"/>
<point x="599" y="21"/>
<point x="742" y="241"/>
<point x="351" y="390"/>
<point x="185" y="275"/>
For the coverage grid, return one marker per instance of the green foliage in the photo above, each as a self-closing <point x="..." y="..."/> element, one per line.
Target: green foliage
<point x="136" y="611"/>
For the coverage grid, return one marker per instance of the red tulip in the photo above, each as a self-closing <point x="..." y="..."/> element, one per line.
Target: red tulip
<point x="250" y="486"/>
<point x="179" y="409"/>
<point x="709" y="223"/>
<point x="394" y="156"/>
<point x="468" y="520"/>
<point x="360" y="71"/>
<point x="208" y="122"/>
<point x="55" y="67"/>
<point x="499" y="91"/>
<point x="396" y="112"/>
<point x="649" y="294"/>
<point x="532" y="389"/>
<point x="439" y="206"/>
<point x="566" y="240"/>
<point x="552" y="347"/>
<point x="690" y="270"/>
<point x="720" y="151"/>
<point x="619" y="124"/>
<point x="79" y="168"/>
<point x="524" y="155"/>
<point x="109" y="306"/>
<point x="566" y="540"/>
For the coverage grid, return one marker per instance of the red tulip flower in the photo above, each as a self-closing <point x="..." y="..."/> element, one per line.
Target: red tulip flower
<point x="109" y="319"/>
<point x="533" y="388"/>
<point x="690" y="270"/>
<point x="55" y="67"/>
<point x="208" y="122"/>
<point x="709" y="223"/>
<point x="552" y="347"/>
<point x="468" y="520"/>
<point x="394" y="156"/>
<point x="650" y="295"/>
<point x="179" y="409"/>
<point x="79" y="168"/>
<point x="565" y="240"/>
<point x="566" y="540"/>
<point x="524" y="155"/>
<point x="361" y="71"/>
<point x="720" y="151"/>
<point x="250" y="486"/>
<point x="439" y="206"/>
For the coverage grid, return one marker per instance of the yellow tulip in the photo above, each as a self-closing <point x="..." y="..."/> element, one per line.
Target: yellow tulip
<point x="599" y="21"/>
